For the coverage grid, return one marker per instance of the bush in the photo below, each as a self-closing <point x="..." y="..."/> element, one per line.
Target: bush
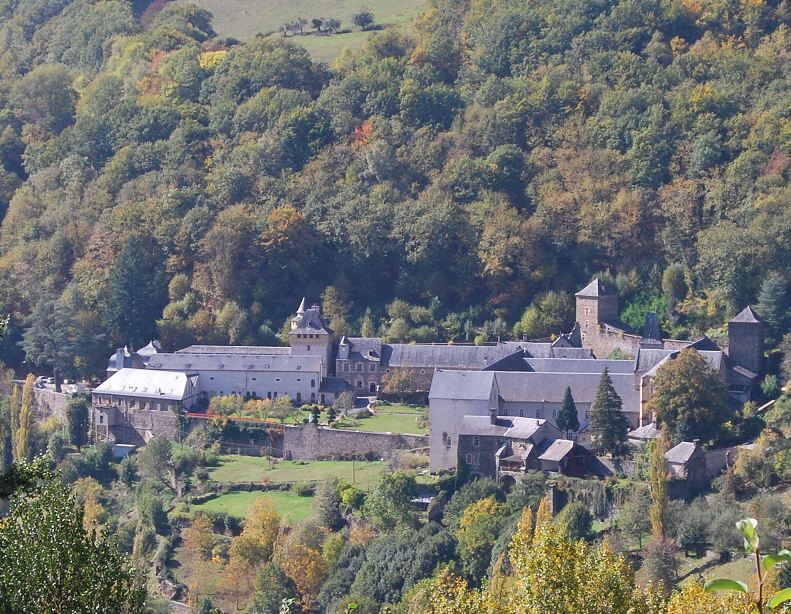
<point x="303" y="489"/>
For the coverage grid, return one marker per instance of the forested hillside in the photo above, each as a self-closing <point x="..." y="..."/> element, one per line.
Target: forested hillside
<point x="461" y="181"/>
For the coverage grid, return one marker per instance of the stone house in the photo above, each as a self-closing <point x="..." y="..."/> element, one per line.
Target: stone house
<point x="504" y="448"/>
<point x="687" y="461"/>
<point x="135" y="405"/>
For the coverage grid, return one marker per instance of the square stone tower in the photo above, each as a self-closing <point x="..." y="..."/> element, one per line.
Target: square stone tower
<point x="746" y="334"/>
<point x="596" y="303"/>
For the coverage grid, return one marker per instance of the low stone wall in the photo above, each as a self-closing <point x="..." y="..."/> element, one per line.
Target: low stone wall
<point x="309" y="442"/>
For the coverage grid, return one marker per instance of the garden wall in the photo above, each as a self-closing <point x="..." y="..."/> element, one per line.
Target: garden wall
<point x="309" y="442"/>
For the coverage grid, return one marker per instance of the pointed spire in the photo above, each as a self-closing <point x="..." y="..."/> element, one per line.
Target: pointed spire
<point x="747" y="315"/>
<point x="344" y="340"/>
<point x="594" y="289"/>
<point x="301" y="310"/>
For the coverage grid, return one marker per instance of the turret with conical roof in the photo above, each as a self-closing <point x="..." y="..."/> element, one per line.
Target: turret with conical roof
<point x="310" y="336"/>
<point x="746" y="333"/>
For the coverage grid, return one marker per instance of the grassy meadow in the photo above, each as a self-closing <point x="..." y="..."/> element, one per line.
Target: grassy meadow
<point x="243" y="19"/>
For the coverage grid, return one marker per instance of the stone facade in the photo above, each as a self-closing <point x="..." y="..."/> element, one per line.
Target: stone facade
<point x="311" y="442"/>
<point x="136" y="427"/>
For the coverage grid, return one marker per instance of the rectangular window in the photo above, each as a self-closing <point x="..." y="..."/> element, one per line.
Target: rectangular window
<point x="359" y="384"/>
<point x="346" y="366"/>
<point x="521" y="413"/>
<point x="359" y="366"/>
<point x="476" y="442"/>
<point x="373" y="367"/>
<point x="538" y="413"/>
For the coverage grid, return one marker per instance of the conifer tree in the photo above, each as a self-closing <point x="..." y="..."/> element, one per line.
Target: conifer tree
<point x="774" y="301"/>
<point x="567" y="419"/>
<point x="136" y="292"/>
<point x="608" y="423"/>
<point x="78" y="421"/>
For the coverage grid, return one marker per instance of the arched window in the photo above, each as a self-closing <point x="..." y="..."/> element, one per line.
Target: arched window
<point x="468" y="459"/>
<point x="299" y="397"/>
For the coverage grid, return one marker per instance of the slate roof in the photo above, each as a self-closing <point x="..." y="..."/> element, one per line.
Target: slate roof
<point x="310" y="323"/>
<point x="235" y="362"/>
<point x="147" y="383"/>
<point x="595" y="289"/>
<point x="704" y="343"/>
<point x="365" y="348"/>
<point x="651" y="327"/>
<point x="550" y="387"/>
<point x="571" y="365"/>
<point x="132" y="360"/>
<point x="556" y="450"/>
<point x="681" y="453"/>
<point x="747" y="315"/>
<point x="466" y="385"/>
<point x="153" y="347"/>
<point x="443" y="356"/>
<point x="234" y="349"/>
<point x="335" y="385"/>
<point x="506" y="426"/>
<point x="743" y="371"/>
<point x="713" y="360"/>
<point x="513" y="362"/>
<point x="645" y="432"/>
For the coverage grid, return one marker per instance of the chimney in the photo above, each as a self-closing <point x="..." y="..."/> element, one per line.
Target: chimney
<point x="119" y="359"/>
<point x="493" y="415"/>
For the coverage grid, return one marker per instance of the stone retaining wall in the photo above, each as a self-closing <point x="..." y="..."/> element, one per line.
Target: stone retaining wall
<point x="51" y="403"/>
<point x="310" y="442"/>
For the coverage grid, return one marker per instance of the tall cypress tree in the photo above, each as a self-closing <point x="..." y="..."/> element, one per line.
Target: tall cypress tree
<point x="608" y="423"/>
<point x="774" y="301"/>
<point x="567" y="419"/>
<point x="136" y="292"/>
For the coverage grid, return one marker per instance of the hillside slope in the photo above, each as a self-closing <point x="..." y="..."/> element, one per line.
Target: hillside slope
<point x="460" y="178"/>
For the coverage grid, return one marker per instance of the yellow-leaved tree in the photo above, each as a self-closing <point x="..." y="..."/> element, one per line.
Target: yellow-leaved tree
<point x="550" y="573"/>
<point x="257" y="540"/>
<point x="24" y="421"/>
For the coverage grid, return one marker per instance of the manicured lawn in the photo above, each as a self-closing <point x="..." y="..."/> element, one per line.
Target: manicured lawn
<point x="398" y="408"/>
<point x="386" y="423"/>
<point x="243" y="19"/>
<point x="289" y="505"/>
<point x="260" y="468"/>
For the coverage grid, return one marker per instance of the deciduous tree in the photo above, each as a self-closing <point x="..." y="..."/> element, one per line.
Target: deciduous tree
<point x="689" y="398"/>
<point x="50" y="563"/>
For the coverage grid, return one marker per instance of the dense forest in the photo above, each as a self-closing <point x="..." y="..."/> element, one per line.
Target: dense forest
<point x="457" y="181"/>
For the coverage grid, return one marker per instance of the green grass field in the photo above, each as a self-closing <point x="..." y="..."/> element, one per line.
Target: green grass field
<point x="289" y="505"/>
<point x="398" y="408"/>
<point x="244" y="19"/>
<point x="257" y="469"/>
<point x="386" y="423"/>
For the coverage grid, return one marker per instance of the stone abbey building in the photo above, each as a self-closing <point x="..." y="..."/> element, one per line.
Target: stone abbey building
<point x="524" y="378"/>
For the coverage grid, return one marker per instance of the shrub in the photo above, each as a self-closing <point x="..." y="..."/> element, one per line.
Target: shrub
<point x="303" y="489"/>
